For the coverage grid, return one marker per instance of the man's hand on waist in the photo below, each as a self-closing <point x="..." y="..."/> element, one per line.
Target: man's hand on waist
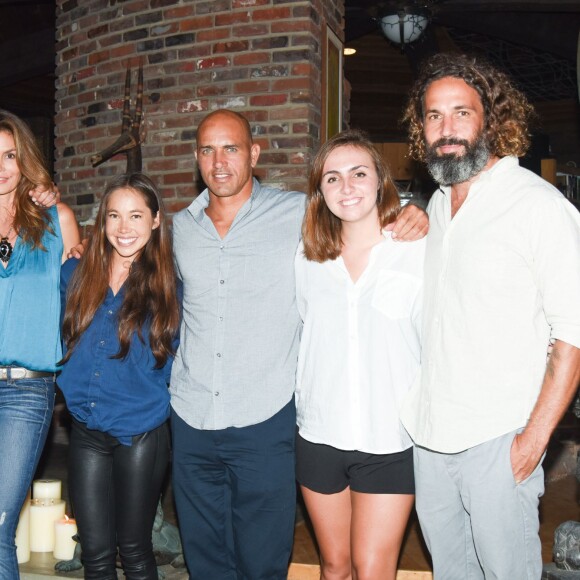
<point x="526" y="452"/>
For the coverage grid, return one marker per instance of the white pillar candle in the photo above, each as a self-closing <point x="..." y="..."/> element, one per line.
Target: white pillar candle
<point x="43" y="514"/>
<point x="46" y="488"/>
<point x="64" y="545"/>
<point x="23" y="532"/>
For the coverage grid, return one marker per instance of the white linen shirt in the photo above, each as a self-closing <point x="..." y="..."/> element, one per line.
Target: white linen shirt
<point x="502" y="278"/>
<point x="360" y="347"/>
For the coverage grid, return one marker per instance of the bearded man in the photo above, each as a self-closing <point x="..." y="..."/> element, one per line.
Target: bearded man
<point x="502" y="288"/>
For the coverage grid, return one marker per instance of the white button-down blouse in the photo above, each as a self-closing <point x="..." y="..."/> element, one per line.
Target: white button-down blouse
<point x="360" y="348"/>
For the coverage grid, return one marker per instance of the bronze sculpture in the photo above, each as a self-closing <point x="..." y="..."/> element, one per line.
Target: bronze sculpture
<point x="129" y="142"/>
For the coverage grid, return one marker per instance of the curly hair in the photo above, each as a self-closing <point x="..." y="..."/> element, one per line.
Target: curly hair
<point x="507" y="110"/>
<point x="321" y="229"/>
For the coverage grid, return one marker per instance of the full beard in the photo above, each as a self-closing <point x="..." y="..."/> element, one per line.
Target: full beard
<point x="450" y="168"/>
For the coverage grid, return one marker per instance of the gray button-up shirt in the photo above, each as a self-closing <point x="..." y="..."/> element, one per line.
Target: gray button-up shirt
<point x="236" y="362"/>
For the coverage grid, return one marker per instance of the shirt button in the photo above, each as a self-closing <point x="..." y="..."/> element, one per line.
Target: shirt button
<point x="102" y="343"/>
<point x="221" y="281"/>
<point x="97" y="374"/>
<point x="222" y="247"/>
<point x="219" y="355"/>
<point x="110" y="312"/>
<point x="93" y="404"/>
<point x="217" y="393"/>
<point x="221" y="318"/>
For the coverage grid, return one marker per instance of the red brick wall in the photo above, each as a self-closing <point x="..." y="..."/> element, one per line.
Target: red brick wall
<point x="259" y="57"/>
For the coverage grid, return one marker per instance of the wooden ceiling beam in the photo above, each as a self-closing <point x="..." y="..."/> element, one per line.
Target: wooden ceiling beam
<point x="508" y="5"/>
<point x="376" y="6"/>
<point x="24" y="2"/>
<point x="531" y="29"/>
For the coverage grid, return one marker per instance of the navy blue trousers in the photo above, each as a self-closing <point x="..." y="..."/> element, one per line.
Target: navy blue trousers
<point x="235" y="493"/>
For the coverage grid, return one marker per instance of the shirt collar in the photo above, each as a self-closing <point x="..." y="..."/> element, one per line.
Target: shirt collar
<point x="200" y="203"/>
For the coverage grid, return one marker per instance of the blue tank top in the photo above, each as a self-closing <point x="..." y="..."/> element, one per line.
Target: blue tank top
<point x="30" y="303"/>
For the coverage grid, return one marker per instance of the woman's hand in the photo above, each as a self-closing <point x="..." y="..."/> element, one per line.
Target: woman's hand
<point x="45" y="197"/>
<point x="69" y="229"/>
<point x="78" y="250"/>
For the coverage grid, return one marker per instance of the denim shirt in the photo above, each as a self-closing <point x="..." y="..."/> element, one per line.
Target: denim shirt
<point x="121" y="397"/>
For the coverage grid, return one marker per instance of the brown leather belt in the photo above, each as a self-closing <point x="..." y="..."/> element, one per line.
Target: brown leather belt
<point x="21" y="373"/>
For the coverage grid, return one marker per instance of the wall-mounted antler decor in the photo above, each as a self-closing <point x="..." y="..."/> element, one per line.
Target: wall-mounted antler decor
<point x="129" y="142"/>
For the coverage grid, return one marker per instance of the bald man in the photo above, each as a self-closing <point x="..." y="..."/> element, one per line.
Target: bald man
<point x="232" y="386"/>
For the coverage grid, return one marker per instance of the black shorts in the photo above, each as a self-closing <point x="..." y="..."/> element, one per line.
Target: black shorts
<point x="325" y="469"/>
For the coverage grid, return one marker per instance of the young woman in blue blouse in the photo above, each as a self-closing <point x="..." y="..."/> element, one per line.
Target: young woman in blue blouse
<point x="120" y="324"/>
<point x="33" y="243"/>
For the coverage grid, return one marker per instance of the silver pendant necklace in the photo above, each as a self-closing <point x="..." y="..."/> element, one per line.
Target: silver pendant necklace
<point x="5" y="246"/>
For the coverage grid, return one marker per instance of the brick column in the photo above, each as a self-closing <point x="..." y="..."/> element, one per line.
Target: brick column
<point x="259" y="57"/>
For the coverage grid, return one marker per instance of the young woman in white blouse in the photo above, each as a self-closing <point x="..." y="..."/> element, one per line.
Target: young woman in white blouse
<point x="359" y="295"/>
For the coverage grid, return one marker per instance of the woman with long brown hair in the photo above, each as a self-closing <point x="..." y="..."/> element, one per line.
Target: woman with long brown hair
<point x="359" y="296"/>
<point x="33" y="243"/>
<point x="120" y="326"/>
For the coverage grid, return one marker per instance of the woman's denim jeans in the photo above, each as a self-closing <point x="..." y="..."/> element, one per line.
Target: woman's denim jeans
<point x="25" y="413"/>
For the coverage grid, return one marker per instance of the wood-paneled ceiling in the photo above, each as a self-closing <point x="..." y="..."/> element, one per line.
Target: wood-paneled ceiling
<point x="534" y="40"/>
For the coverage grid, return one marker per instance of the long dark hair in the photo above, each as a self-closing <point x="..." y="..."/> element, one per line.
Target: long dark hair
<point x="507" y="111"/>
<point x="321" y="229"/>
<point x="150" y="289"/>
<point x="30" y="221"/>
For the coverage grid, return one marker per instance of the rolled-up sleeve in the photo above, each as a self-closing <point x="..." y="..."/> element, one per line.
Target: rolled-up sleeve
<point x="556" y="267"/>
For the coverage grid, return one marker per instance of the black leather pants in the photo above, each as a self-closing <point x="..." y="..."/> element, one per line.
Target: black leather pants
<point x="114" y="491"/>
